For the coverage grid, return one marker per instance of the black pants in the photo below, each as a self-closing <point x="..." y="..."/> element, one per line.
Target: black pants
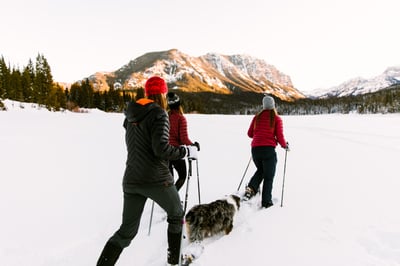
<point x="134" y="201"/>
<point x="265" y="160"/>
<point x="180" y="167"/>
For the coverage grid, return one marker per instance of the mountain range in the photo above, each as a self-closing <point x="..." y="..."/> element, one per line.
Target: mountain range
<point x="228" y="74"/>
<point x="223" y="74"/>
<point x="358" y="86"/>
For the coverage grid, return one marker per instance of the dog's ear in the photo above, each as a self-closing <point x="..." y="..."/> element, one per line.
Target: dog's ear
<point x="237" y="200"/>
<point x="235" y="197"/>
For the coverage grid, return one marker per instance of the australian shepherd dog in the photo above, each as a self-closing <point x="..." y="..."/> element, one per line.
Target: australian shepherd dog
<point x="206" y="220"/>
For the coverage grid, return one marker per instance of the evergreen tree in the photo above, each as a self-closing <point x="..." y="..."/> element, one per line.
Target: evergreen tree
<point x="56" y="98"/>
<point x="4" y="78"/>
<point x="81" y="95"/>
<point x="43" y="80"/>
<point x="16" y="89"/>
<point x="98" y="101"/>
<point x="86" y="94"/>
<point x="28" y="76"/>
<point x="74" y="95"/>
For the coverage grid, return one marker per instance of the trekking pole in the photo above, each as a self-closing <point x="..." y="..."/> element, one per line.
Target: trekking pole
<point x="245" y="171"/>
<point x="198" y="180"/>
<point x="151" y="217"/>
<point x="187" y="185"/>
<point x="184" y="209"/>
<point x="284" y="174"/>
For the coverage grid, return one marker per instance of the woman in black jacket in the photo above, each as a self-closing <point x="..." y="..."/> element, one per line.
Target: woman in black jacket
<point x="147" y="174"/>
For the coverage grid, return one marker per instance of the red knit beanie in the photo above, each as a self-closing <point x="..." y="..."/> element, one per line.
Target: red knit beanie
<point x="155" y="85"/>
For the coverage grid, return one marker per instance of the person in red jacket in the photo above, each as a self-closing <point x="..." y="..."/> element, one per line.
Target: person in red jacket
<point x="266" y="130"/>
<point x="178" y="136"/>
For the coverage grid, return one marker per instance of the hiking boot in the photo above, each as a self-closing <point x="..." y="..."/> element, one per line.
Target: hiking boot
<point x="174" y="246"/>
<point x="267" y="205"/>
<point x="109" y="255"/>
<point x="172" y="260"/>
<point x="248" y="194"/>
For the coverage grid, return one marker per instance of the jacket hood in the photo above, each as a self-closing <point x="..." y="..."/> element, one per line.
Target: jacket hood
<point x="138" y="110"/>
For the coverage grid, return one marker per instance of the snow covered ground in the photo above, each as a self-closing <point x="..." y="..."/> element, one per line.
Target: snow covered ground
<point x="61" y="199"/>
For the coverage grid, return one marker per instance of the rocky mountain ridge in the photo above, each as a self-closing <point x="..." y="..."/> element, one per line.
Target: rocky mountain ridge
<point x="358" y="86"/>
<point x="222" y="74"/>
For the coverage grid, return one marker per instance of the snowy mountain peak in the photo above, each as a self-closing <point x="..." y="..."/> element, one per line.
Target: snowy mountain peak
<point x="211" y="72"/>
<point x="359" y="85"/>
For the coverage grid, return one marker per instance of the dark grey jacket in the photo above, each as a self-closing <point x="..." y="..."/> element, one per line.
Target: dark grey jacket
<point x="147" y="141"/>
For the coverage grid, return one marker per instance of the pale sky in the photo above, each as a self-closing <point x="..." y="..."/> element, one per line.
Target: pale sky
<point x="318" y="43"/>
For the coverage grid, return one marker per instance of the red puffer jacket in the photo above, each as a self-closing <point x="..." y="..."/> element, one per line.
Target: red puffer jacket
<point x="178" y="133"/>
<point x="262" y="133"/>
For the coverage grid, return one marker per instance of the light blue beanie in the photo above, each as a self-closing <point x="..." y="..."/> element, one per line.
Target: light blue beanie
<point x="268" y="102"/>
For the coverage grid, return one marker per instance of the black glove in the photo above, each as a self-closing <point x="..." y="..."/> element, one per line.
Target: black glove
<point x="197" y="145"/>
<point x="287" y="146"/>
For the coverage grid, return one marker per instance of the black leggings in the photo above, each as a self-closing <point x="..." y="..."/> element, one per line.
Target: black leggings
<point x="180" y="167"/>
<point x="134" y="202"/>
<point x="265" y="160"/>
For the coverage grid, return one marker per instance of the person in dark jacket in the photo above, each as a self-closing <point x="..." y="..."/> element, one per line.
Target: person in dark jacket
<point x="147" y="174"/>
<point x="266" y="131"/>
<point x="178" y="135"/>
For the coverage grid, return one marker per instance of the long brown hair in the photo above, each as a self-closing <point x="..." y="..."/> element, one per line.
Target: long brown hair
<point x="272" y="114"/>
<point x="159" y="99"/>
<point x="179" y="108"/>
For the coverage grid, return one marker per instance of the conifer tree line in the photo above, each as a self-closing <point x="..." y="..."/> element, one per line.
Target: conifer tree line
<point x="383" y="101"/>
<point x="83" y="95"/>
<point x="34" y="84"/>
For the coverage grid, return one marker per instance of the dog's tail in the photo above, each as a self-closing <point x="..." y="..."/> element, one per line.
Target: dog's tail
<point x="193" y="226"/>
<point x="189" y="217"/>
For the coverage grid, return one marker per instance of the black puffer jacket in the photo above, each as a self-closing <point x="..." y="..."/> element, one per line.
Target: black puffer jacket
<point x="147" y="141"/>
